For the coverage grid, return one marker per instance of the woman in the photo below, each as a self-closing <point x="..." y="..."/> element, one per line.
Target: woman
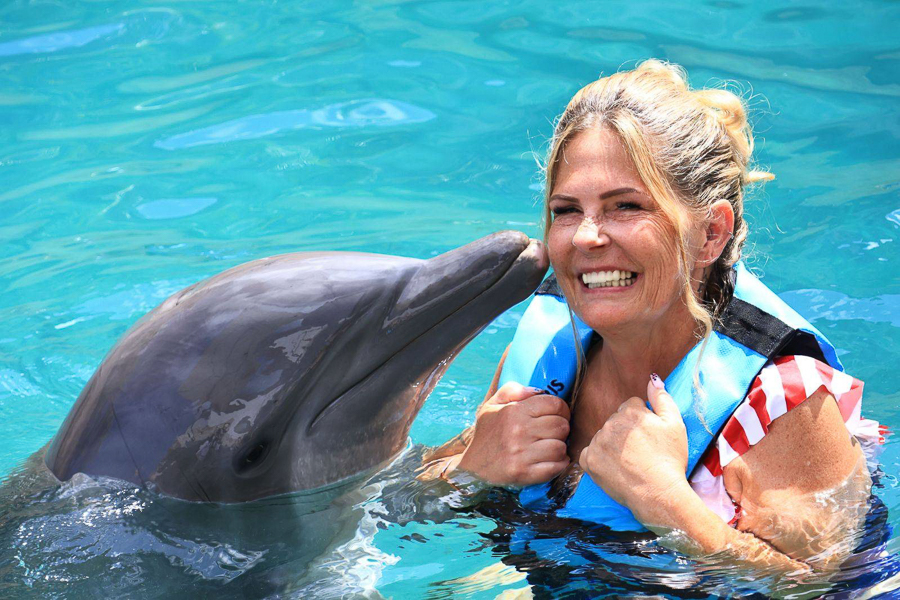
<point x="644" y="228"/>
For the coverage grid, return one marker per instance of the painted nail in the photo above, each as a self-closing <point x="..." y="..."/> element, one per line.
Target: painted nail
<point x="657" y="382"/>
<point x="536" y="390"/>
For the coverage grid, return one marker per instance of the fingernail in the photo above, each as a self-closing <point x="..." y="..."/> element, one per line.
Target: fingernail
<point x="536" y="390"/>
<point x="657" y="382"/>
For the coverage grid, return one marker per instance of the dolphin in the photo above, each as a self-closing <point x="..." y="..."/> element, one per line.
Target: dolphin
<point x="288" y="373"/>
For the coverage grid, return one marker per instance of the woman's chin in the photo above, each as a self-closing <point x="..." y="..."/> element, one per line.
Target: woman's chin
<point x="607" y="308"/>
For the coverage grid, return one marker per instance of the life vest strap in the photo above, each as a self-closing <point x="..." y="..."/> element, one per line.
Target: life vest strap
<point x="759" y="331"/>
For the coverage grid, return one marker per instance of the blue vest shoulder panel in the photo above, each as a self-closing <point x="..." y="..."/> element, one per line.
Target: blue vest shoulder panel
<point x="755" y="327"/>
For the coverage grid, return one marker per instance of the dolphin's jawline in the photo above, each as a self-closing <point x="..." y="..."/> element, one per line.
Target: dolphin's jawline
<point x="327" y="408"/>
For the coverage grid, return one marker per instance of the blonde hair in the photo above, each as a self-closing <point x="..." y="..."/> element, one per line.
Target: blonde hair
<point x="691" y="148"/>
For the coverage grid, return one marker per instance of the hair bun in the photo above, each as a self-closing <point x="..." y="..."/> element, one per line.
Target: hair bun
<point x="676" y="75"/>
<point x="728" y="110"/>
<point x="726" y="106"/>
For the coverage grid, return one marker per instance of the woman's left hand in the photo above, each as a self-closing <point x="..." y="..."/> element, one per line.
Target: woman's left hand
<point x="639" y="456"/>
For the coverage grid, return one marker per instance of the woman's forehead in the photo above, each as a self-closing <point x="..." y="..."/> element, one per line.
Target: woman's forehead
<point x="597" y="157"/>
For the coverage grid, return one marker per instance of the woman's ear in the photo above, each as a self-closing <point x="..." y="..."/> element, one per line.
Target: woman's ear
<point x="719" y="230"/>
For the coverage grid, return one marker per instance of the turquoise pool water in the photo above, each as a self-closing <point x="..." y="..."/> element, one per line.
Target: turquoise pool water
<point x="148" y="145"/>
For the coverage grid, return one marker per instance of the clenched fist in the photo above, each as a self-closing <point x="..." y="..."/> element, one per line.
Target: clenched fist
<point x="640" y="455"/>
<point x="519" y="438"/>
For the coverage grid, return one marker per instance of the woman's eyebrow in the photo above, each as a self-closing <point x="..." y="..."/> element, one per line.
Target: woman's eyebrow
<point x="564" y="198"/>
<point x="619" y="192"/>
<point x="603" y="196"/>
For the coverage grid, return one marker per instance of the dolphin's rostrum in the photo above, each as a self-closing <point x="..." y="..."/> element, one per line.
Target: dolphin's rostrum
<point x="287" y="373"/>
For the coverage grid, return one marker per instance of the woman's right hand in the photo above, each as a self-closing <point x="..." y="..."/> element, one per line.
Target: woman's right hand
<point x="519" y="438"/>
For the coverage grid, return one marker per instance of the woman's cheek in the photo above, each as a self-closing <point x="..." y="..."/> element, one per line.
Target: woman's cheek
<point x="559" y="243"/>
<point x="663" y="279"/>
<point x="560" y="249"/>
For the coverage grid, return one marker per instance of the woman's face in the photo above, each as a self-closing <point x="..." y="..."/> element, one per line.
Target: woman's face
<point x="611" y="246"/>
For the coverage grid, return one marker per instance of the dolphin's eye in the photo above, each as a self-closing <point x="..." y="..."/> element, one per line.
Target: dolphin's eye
<point x="252" y="456"/>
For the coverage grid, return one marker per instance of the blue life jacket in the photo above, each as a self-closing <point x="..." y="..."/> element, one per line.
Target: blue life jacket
<point x="755" y="327"/>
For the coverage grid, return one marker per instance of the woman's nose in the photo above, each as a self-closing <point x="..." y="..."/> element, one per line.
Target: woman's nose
<point x="590" y="235"/>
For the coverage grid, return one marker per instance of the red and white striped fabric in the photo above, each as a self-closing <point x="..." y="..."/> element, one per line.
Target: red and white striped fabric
<point x="782" y="384"/>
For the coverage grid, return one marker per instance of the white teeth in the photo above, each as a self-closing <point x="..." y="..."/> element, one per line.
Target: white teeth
<point x="616" y="283"/>
<point x="608" y="278"/>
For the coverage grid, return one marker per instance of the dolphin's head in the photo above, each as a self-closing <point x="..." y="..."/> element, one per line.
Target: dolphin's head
<point x="288" y="373"/>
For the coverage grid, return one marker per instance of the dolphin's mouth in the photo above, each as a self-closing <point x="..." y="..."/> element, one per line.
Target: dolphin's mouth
<point x="532" y="253"/>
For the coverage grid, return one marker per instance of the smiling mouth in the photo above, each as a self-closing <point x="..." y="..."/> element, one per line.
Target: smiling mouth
<point x="603" y="279"/>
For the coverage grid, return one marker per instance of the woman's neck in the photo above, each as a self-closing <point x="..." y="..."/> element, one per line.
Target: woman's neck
<point x="630" y="354"/>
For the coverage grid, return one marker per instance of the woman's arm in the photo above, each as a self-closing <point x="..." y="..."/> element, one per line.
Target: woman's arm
<point x="640" y="456"/>
<point x="804" y="487"/>
<point x="437" y="461"/>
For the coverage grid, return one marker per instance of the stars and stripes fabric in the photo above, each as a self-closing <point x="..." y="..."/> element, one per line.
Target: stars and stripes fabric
<point x="783" y="384"/>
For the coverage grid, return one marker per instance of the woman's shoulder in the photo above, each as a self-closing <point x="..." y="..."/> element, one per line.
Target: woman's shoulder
<point x="781" y="386"/>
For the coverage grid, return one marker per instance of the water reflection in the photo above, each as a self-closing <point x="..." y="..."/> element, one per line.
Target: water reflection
<point x="835" y="306"/>
<point x="894" y="217"/>
<point x="174" y="208"/>
<point x="358" y="113"/>
<point x="60" y="40"/>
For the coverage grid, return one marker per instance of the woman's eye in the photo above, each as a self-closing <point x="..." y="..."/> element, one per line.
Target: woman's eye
<point x="562" y="210"/>
<point x="628" y="206"/>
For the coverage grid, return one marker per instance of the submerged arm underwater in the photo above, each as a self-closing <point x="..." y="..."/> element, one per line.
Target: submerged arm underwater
<point x="803" y="489"/>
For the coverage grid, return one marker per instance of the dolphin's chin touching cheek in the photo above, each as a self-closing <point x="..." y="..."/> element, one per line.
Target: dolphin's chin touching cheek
<point x="287" y="373"/>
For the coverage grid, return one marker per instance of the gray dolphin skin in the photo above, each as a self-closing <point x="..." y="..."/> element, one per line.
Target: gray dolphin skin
<point x="287" y="373"/>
